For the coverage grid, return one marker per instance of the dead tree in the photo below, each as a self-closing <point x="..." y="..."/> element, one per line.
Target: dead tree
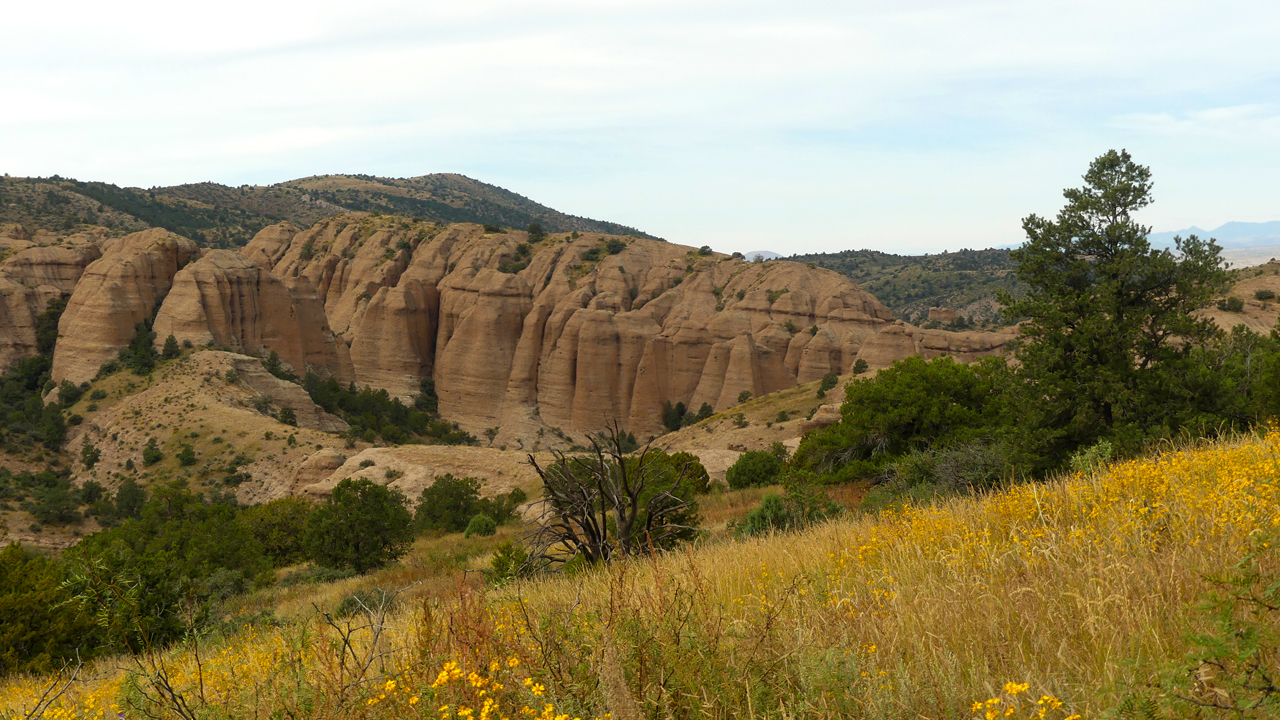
<point x="605" y="505"/>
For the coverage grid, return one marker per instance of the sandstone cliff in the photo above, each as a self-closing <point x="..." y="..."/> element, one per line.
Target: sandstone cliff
<point x="565" y="334"/>
<point x="225" y="300"/>
<point x="43" y="268"/>
<point x="117" y="291"/>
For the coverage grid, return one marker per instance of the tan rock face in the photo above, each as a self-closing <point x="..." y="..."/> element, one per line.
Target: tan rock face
<point x="226" y="300"/>
<point x="29" y="279"/>
<point x="117" y="291"/>
<point x="900" y="341"/>
<point x="557" y="335"/>
<point x="282" y="393"/>
<point x="559" y="341"/>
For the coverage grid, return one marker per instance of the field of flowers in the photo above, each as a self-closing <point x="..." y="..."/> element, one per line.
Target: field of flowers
<point x="1054" y="600"/>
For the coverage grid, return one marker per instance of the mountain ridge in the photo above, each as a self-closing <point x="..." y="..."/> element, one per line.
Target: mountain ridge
<point x="224" y="216"/>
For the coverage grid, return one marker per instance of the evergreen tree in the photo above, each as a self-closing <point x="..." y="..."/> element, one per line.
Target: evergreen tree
<point x="171" y="349"/>
<point x="1110" y="319"/>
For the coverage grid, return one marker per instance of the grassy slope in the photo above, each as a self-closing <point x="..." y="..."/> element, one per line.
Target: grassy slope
<point x="1082" y="588"/>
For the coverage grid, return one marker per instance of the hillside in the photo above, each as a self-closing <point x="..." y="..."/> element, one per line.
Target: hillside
<point x="965" y="281"/>
<point x="1091" y="590"/>
<point x="217" y="215"/>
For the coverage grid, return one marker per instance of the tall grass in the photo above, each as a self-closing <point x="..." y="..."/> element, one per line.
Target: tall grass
<point x="1074" y="592"/>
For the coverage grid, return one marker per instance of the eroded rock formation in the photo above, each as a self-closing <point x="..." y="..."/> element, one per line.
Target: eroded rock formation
<point x="117" y="291"/>
<point x="31" y="277"/>
<point x="568" y="333"/>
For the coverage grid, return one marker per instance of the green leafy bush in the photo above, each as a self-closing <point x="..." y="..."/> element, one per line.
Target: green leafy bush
<point x="151" y="453"/>
<point x="42" y="627"/>
<point x="509" y="562"/>
<point x="754" y="468"/>
<point x="363" y="526"/>
<point x="372" y="412"/>
<point x="448" y="504"/>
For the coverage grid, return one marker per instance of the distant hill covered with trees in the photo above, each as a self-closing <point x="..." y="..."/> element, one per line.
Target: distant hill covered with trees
<point x="966" y="281"/>
<point x="217" y="215"/>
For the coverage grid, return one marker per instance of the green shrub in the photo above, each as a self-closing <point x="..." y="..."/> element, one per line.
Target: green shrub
<point x="151" y="453"/>
<point x="448" y="504"/>
<point x="1264" y="294"/>
<point x="508" y="563"/>
<point x="363" y="526"/>
<point x="744" y="396"/>
<point x="140" y="356"/>
<point x="802" y="505"/>
<point x="613" y="246"/>
<point x="536" y="233"/>
<point x="315" y="574"/>
<point x="860" y="366"/>
<point x="481" y="525"/>
<point x="42" y="627"/>
<point x="828" y="381"/>
<point x="754" y="468"/>
<point x="1231" y="304"/>
<point x="278" y="527"/>
<point x="186" y="456"/>
<point x="288" y="417"/>
<point x="68" y="393"/>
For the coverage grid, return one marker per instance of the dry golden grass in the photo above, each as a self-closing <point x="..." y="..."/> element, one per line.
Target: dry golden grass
<point x="1072" y="591"/>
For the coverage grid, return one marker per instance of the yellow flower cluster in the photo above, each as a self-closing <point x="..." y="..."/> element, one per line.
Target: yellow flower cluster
<point x="1013" y="707"/>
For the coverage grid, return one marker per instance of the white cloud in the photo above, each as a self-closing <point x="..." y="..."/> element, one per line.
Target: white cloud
<point x="912" y="124"/>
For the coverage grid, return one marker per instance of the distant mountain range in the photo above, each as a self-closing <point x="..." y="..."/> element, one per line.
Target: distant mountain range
<point x="224" y="216"/>
<point x="1230" y="235"/>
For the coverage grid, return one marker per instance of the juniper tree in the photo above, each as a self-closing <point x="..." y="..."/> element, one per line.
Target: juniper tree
<point x="1110" y="320"/>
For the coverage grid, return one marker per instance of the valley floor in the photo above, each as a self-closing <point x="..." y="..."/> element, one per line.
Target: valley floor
<point x="1054" y="600"/>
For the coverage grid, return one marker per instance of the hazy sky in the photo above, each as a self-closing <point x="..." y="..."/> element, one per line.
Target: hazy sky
<point x="793" y="126"/>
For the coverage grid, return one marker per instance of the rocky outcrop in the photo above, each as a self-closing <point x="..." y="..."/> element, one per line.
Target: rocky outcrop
<point x="316" y="468"/>
<point x="568" y="333"/>
<point x="413" y="468"/>
<point x="29" y="279"/>
<point x="281" y="392"/>
<point x="117" y="291"/>
<point x="900" y="341"/>
<point x="942" y="315"/>
<point x="226" y="300"/>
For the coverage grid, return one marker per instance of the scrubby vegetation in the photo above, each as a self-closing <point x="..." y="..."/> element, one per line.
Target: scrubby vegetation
<point x="1080" y="596"/>
<point x="374" y="414"/>
<point x="911" y="284"/>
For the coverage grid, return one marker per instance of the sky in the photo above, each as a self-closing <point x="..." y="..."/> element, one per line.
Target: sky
<point x="907" y="126"/>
